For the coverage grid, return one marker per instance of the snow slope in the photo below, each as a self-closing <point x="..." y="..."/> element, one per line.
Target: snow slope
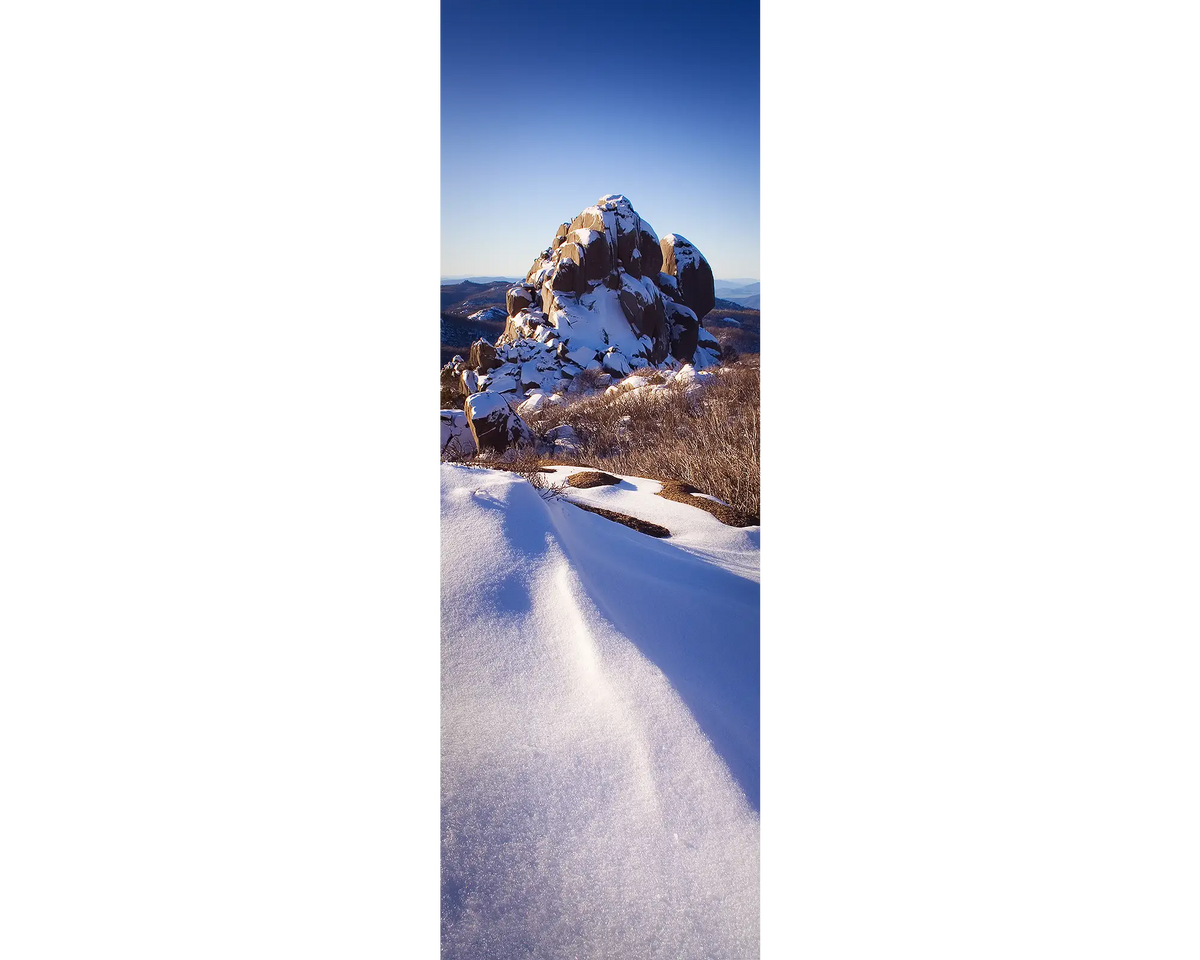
<point x="599" y="726"/>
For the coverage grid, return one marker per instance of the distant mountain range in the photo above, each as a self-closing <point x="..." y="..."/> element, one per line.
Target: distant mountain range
<point x="468" y="296"/>
<point x="446" y="280"/>
<point x="736" y="282"/>
<point x="729" y="289"/>
<point x="744" y="292"/>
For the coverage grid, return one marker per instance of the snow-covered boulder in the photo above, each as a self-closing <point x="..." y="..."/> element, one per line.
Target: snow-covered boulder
<point x="532" y="404"/>
<point x="494" y="424"/>
<point x="615" y="362"/>
<point x="483" y="357"/>
<point x="518" y="298"/>
<point x="563" y="441"/>
<point x="708" y="350"/>
<point x="539" y="374"/>
<point x="457" y="439"/>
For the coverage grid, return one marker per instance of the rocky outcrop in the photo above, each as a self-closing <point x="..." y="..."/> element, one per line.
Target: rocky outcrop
<point x="606" y="295"/>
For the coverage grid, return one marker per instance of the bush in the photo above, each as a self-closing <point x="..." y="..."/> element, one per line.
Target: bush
<point x="589" y="381"/>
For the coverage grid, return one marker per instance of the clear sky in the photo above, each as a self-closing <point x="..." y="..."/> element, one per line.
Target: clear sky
<point x="547" y="107"/>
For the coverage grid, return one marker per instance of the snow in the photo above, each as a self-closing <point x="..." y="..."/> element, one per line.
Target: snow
<point x="480" y="405"/>
<point x="599" y="726"/>
<point x="583" y="236"/>
<point x="581" y="355"/>
<point x="456" y="434"/>
<point x="534" y="402"/>
<point x="615" y="362"/>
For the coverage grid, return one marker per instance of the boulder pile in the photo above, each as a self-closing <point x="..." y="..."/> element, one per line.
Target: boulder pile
<point x="606" y="295"/>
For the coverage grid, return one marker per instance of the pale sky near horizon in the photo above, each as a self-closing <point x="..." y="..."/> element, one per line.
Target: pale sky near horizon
<point x="545" y="110"/>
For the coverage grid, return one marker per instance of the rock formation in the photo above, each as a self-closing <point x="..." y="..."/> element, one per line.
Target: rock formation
<point x="607" y="294"/>
<point x="494" y="425"/>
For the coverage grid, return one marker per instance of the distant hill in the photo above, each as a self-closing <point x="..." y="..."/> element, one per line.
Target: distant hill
<point x="466" y="297"/>
<point x="736" y="282"/>
<point x="450" y="280"/>
<point x="727" y="288"/>
<point x="745" y="294"/>
<point x="734" y="326"/>
<point x="459" y="332"/>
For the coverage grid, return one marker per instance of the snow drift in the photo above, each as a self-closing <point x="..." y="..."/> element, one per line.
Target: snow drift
<point x="599" y="726"/>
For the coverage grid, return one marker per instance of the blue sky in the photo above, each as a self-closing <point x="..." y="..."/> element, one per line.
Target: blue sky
<point x="545" y="108"/>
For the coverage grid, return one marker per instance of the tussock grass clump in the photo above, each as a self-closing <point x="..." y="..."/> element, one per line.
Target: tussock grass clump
<point x="685" y="493"/>
<point x="591" y="478"/>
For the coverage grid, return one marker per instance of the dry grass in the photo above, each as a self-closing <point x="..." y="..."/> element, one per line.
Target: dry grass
<point x="702" y="439"/>
<point x="591" y="478"/>
<point x="707" y="438"/>
<point x="684" y="493"/>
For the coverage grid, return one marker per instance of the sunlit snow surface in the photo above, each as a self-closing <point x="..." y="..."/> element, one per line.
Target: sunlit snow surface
<point x="598" y="686"/>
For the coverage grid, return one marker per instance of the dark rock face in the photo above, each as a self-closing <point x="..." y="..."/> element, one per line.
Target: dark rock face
<point x="692" y="273"/>
<point x="482" y="357"/>
<point x="567" y="277"/>
<point x="648" y="244"/>
<point x="597" y="260"/>
<point x="685" y="330"/>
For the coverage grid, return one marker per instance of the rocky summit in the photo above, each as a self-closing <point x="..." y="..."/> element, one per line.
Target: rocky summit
<point x="607" y="294"/>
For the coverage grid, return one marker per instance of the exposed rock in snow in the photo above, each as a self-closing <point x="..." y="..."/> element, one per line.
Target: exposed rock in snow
<point x="615" y="362"/>
<point x="483" y="357"/>
<point x="532" y="404"/>
<point x="518" y="298"/>
<point x="494" y="424"/>
<point x="693" y="275"/>
<point x="684" y="329"/>
<point x="457" y="439"/>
